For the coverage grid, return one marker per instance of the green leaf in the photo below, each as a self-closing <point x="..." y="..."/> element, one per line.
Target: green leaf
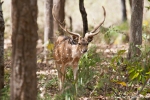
<point x="114" y="59"/>
<point x="148" y="73"/>
<point x="120" y="52"/>
<point x="122" y="83"/>
<point x="135" y="76"/>
<point x="50" y="46"/>
<point x="131" y="70"/>
<point x="148" y="8"/>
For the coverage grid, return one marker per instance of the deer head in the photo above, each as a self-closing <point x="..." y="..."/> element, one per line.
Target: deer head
<point x="77" y="39"/>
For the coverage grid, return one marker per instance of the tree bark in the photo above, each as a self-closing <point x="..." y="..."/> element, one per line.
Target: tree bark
<point x="136" y="28"/>
<point x="60" y="15"/>
<point x="130" y="2"/>
<point x="2" y="28"/>
<point x="24" y="37"/>
<point x="84" y="17"/>
<point x="48" y="32"/>
<point x="70" y="20"/>
<point x="124" y="13"/>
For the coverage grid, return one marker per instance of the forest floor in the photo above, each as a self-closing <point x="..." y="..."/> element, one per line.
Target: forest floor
<point x="107" y="79"/>
<point x="48" y="82"/>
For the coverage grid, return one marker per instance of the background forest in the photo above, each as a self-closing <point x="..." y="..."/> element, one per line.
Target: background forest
<point x="106" y="72"/>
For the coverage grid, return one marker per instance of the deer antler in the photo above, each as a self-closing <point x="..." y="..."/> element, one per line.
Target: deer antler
<point x="93" y="32"/>
<point x="60" y="24"/>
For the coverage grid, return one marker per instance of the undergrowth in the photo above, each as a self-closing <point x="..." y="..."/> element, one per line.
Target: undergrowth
<point x="115" y="77"/>
<point x="98" y="76"/>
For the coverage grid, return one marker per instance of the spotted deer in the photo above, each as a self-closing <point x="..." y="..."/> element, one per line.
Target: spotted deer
<point x="68" y="50"/>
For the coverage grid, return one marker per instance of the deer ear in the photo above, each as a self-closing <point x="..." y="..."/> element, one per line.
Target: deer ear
<point x="75" y="39"/>
<point x="90" y="38"/>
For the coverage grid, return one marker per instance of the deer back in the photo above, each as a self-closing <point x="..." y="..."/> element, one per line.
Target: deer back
<point x="65" y="51"/>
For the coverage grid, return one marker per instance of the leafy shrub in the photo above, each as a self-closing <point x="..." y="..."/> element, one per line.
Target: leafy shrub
<point x="6" y="90"/>
<point x="86" y="74"/>
<point x="115" y="32"/>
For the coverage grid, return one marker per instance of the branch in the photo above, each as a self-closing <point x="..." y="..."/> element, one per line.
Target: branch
<point x="84" y="16"/>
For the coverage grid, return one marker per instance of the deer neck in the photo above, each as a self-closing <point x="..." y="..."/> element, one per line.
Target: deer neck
<point x="76" y="53"/>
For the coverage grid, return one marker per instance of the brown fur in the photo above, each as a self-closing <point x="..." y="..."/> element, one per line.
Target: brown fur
<point x="68" y="50"/>
<point x="66" y="54"/>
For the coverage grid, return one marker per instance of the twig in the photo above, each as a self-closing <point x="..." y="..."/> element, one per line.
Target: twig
<point x="142" y="87"/>
<point x="138" y="92"/>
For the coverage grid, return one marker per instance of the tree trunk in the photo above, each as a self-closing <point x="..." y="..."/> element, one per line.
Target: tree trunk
<point x="136" y="28"/>
<point x="84" y="17"/>
<point x="48" y="32"/>
<point x="124" y="13"/>
<point x="60" y="15"/>
<point x="130" y="2"/>
<point x="70" y="20"/>
<point x="2" y="28"/>
<point x="24" y="37"/>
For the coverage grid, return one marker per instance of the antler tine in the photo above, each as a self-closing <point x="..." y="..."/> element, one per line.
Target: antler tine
<point x="73" y="33"/>
<point x="60" y="24"/>
<point x="94" y="30"/>
<point x="91" y="34"/>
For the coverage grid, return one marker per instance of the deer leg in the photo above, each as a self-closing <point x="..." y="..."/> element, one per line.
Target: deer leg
<point x="75" y="70"/>
<point x="61" y="75"/>
<point x="63" y="70"/>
